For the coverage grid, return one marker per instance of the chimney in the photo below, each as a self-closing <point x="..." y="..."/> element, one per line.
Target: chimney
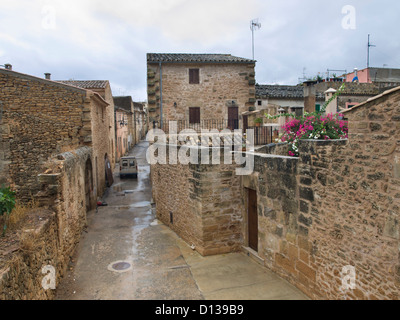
<point x="47" y="76"/>
<point x="8" y="66"/>
<point x="332" y="106"/>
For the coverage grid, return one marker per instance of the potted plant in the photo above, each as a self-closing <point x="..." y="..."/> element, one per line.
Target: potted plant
<point x="258" y="121"/>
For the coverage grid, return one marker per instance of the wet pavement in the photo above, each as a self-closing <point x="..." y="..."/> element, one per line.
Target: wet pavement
<point x="126" y="254"/>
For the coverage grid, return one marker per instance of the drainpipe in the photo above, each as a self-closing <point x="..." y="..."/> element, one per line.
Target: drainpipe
<point x="161" y="103"/>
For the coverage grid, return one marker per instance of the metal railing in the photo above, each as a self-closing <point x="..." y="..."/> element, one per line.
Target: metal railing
<point x="264" y="135"/>
<point x="206" y="124"/>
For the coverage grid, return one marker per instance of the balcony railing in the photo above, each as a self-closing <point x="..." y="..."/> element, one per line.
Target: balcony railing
<point x="206" y="124"/>
<point x="262" y="135"/>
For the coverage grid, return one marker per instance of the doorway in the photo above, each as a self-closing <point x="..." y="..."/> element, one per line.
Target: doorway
<point x="89" y="185"/>
<point x="233" y="118"/>
<point x="252" y="220"/>
<point x="109" y="175"/>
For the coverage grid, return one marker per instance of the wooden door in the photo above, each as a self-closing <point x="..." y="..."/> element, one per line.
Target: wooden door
<point x="109" y="174"/>
<point x="252" y="219"/>
<point x="233" y="118"/>
<point x="89" y="185"/>
<point x="245" y="123"/>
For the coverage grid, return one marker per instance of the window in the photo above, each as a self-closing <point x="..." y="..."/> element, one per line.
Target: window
<point x="259" y="102"/>
<point x="194" y="115"/>
<point x="194" y="76"/>
<point x="317" y="107"/>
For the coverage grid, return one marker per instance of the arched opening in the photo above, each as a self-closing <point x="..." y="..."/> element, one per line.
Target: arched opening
<point x="89" y="185"/>
<point x="108" y="172"/>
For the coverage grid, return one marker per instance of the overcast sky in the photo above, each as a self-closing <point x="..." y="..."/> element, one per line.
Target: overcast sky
<point x="108" y="40"/>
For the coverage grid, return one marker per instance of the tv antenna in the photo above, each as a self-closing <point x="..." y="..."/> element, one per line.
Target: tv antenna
<point x="369" y="46"/>
<point x="254" y="25"/>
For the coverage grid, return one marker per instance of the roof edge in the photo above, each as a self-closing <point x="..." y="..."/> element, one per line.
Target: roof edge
<point x="244" y="60"/>
<point x="385" y="93"/>
<point x="34" y="78"/>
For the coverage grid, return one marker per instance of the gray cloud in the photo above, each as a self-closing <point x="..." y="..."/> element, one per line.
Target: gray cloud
<point x="109" y="39"/>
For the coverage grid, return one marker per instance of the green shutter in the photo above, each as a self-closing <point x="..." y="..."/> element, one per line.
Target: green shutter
<point x="317" y="107"/>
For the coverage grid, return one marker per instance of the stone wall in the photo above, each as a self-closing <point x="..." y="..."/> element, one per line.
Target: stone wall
<point x="333" y="209"/>
<point x="42" y="118"/>
<point x="99" y="141"/>
<point x="353" y="93"/>
<point x="220" y="84"/>
<point x="200" y="203"/>
<point x="337" y="206"/>
<point x="121" y="133"/>
<point x="52" y="231"/>
<point x="54" y="139"/>
<point x="39" y="120"/>
<point x="4" y="153"/>
<point x="22" y="261"/>
<point x="109" y="120"/>
<point x="280" y="149"/>
<point x="66" y="189"/>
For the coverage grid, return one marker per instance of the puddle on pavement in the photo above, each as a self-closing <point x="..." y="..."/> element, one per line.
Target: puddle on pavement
<point x="124" y="208"/>
<point x="140" y="204"/>
<point x="137" y="205"/>
<point x="117" y="188"/>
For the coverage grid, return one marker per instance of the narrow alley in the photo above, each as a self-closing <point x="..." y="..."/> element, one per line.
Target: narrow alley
<point x="126" y="254"/>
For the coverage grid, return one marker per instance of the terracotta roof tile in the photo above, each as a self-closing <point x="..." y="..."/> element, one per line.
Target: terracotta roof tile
<point x="193" y="58"/>
<point x="279" y="91"/>
<point x="86" y="84"/>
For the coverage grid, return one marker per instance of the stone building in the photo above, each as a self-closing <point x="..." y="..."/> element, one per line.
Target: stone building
<point x="137" y="120"/>
<point x="383" y="77"/>
<point x="354" y="93"/>
<point x="197" y="88"/>
<point x="41" y="118"/>
<point x="271" y="98"/>
<point x="54" y="143"/>
<point x="125" y="103"/>
<point x="141" y="121"/>
<point x="103" y="88"/>
<point x="122" y="132"/>
<point x="317" y="220"/>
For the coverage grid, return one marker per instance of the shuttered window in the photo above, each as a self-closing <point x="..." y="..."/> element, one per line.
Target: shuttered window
<point x="194" y="76"/>
<point x="194" y="115"/>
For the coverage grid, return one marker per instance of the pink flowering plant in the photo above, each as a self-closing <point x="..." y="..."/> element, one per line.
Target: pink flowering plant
<point x="315" y="126"/>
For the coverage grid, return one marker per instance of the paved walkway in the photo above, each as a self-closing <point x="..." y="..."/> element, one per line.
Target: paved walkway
<point x="127" y="254"/>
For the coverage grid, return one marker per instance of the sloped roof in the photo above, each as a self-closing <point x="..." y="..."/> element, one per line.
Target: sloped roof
<point x="279" y="91"/>
<point x="384" y="75"/>
<point x="48" y="82"/>
<point x="384" y="94"/>
<point x="123" y="102"/>
<point x="138" y="105"/>
<point x="195" y="58"/>
<point x="86" y="84"/>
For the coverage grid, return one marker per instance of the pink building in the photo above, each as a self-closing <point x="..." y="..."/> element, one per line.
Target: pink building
<point x="121" y="132"/>
<point x="363" y="76"/>
<point x="383" y="77"/>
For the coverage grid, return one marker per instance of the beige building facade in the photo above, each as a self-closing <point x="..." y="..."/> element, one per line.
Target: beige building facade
<point x="103" y="88"/>
<point x="196" y="88"/>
